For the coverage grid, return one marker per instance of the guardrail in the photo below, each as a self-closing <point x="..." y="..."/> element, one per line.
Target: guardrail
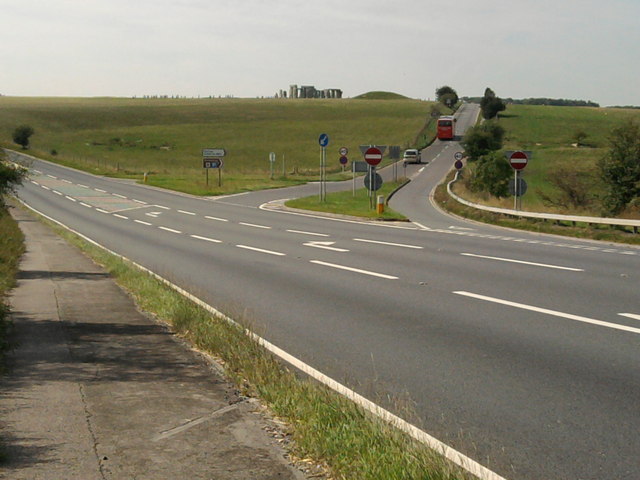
<point x="574" y="219"/>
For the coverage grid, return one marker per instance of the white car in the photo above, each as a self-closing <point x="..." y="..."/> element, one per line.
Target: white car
<point x="411" y="155"/>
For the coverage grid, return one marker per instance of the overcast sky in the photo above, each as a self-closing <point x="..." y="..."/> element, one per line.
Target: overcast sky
<point x="578" y="49"/>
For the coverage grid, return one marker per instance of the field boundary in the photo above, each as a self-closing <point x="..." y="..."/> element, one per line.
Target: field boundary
<point x="544" y="216"/>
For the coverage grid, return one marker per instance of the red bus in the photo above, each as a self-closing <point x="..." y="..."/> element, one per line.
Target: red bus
<point x="446" y="127"/>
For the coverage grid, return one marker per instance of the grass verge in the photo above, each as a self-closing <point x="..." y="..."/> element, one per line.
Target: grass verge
<point x="346" y="203"/>
<point x="322" y="424"/>
<point x="11" y="248"/>
<point x="593" y="232"/>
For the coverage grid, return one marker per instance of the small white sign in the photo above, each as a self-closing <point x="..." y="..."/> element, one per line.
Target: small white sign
<point x="213" y="152"/>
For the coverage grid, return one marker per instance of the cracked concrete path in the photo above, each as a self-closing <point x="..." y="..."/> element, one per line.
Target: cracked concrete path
<point x="96" y="390"/>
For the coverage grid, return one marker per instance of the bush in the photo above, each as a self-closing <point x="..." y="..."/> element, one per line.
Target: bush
<point x="22" y="134"/>
<point x="491" y="174"/>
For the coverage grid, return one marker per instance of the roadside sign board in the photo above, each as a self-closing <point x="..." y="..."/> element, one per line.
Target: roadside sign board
<point x="364" y="148"/>
<point x="373" y="182"/>
<point x="323" y="140"/>
<point x="394" y="152"/>
<point x="213" y="152"/>
<point x="518" y="189"/>
<point x="373" y="156"/>
<point x="458" y="164"/>
<point x="458" y="155"/>
<point x="343" y="151"/>
<point x="344" y="160"/>
<point x="518" y="160"/>
<point x="212" y="163"/>
<point x="272" y="157"/>
<point x="360" y="167"/>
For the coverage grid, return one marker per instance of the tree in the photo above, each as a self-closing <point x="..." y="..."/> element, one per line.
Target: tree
<point x="447" y="96"/>
<point x="22" y="134"/>
<point x="482" y="139"/>
<point x="491" y="174"/>
<point x="10" y="177"/>
<point x="491" y="105"/>
<point x="620" y="168"/>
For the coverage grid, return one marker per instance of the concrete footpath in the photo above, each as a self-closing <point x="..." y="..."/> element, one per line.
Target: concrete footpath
<point x="97" y="390"/>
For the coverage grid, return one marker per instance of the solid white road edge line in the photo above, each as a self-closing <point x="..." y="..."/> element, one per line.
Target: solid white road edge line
<point x="261" y="250"/>
<point x="630" y="315"/>
<point x="510" y="260"/>
<point x="451" y="454"/>
<point x="355" y="270"/>
<point x="546" y="311"/>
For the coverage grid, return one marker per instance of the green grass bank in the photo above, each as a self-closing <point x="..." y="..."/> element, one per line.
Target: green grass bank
<point x="128" y="137"/>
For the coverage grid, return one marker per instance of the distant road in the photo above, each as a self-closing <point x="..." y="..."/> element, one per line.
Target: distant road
<point x="520" y="350"/>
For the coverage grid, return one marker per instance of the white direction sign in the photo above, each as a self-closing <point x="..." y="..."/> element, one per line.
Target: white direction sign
<point x="213" y="152"/>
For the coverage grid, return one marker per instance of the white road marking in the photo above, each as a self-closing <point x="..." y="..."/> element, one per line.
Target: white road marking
<point x="153" y="214"/>
<point x="510" y="260"/>
<point x="120" y="216"/>
<point x="186" y="212"/>
<point x="452" y="227"/>
<point x="118" y="195"/>
<point x="143" y="223"/>
<point x="70" y="198"/>
<point x="58" y="193"/>
<point x="325" y="246"/>
<point x="546" y="311"/>
<point x="630" y="315"/>
<point x="270" y="252"/>
<point x="34" y="182"/>
<point x="51" y="176"/>
<point x="83" y="186"/>
<point x="38" y="172"/>
<point x="402" y="245"/>
<point x="167" y="229"/>
<point x="100" y="190"/>
<point x="253" y="225"/>
<point x="216" y="219"/>
<point x="86" y="205"/>
<point x="45" y="187"/>
<point x="356" y="270"/>
<point x="162" y="207"/>
<point x="139" y="201"/>
<point x="301" y="232"/>
<point x="101" y="210"/>
<point x="206" y="239"/>
<point x="66" y="181"/>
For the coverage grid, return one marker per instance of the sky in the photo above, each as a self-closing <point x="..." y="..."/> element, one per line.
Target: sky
<point x="574" y="49"/>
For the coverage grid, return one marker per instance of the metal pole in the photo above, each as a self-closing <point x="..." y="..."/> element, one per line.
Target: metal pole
<point x="515" y="202"/>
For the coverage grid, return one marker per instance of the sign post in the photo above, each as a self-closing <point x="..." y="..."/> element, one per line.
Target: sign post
<point x="518" y="160"/>
<point x="323" y="140"/>
<point x="212" y="158"/>
<point x="373" y="156"/>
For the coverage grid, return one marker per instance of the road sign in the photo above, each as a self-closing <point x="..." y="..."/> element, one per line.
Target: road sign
<point x="213" y="152"/>
<point x="518" y="160"/>
<point x="458" y="164"/>
<point x="343" y="151"/>
<point x="272" y="157"/>
<point x="212" y="163"/>
<point x="360" y="167"/>
<point x="373" y="156"/>
<point x="522" y="187"/>
<point x="458" y="155"/>
<point x="364" y="148"/>
<point x="344" y="160"/>
<point x="373" y="183"/>
<point x="323" y="140"/>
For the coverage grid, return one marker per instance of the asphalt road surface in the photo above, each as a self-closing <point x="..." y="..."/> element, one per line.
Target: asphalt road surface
<point x="520" y="350"/>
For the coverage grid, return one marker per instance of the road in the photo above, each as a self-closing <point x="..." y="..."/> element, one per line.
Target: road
<point x="519" y="350"/>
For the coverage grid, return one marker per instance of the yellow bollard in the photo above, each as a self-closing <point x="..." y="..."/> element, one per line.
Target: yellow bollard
<point x="380" y="204"/>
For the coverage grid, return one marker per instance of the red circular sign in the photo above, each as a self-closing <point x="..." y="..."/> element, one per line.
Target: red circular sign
<point x="518" y="160"/>
<point x="373" y="156"/>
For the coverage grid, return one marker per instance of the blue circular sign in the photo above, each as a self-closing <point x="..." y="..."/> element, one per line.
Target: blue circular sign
<point x="323" y="140"/>
<point x="344" y="160"/>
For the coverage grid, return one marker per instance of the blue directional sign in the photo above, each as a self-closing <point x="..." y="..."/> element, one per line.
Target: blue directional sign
<point x="323" y="140"/>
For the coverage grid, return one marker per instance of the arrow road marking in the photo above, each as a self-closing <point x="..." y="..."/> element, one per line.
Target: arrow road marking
<point x="546" y="311"/>
<point x="325" y="246"/>
<point x="630" y="315"/>
<point x="302" y="232"/>
<point x="523" y="262"/>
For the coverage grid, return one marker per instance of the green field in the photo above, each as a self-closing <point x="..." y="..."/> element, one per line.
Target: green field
<point x="165" y="137"/>
<point x="549" y="132"/>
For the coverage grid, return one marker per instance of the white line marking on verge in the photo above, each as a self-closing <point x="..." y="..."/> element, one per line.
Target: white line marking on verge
<point x="630" y="315"/>
<point x="253" y="225"/>
<point x="301" y="232"/>
<point x="356" y="270"/>
<point x="206" y="239"/>
<point x="216" y="219"/>
<point x="167" y="229"/>
<point x="510" y="260"/>
<point x="453" y="455"/>
<point x="261" y="250"/>
<point x="402" y="245"/>
<point x="546" y="311"/>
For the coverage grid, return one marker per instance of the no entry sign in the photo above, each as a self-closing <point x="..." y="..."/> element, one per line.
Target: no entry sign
<point x="518" y="160"/>
<point x="373" y="156"/>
